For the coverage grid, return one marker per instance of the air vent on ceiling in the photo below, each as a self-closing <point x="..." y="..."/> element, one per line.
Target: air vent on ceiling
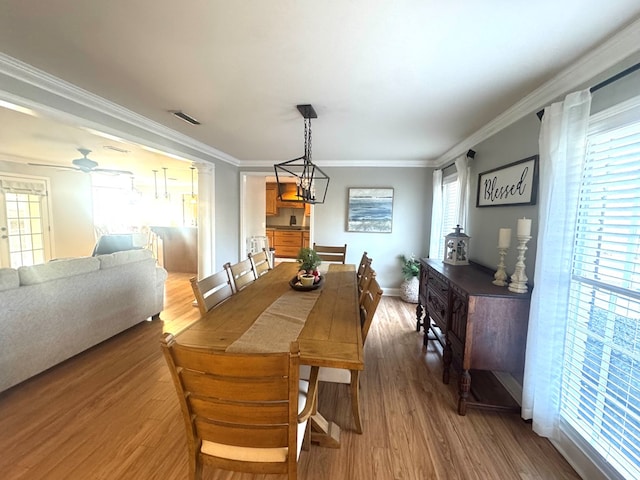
<point x="183" y="116"/>
<point x="115" y="149"/>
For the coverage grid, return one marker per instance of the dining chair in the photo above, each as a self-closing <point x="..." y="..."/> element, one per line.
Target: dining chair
<point x="243" y="412"/>
<point x="365" y="277"/>
<point x="211" y="290"/>
<point x="241" y="273"/>
<point x="331" y="254"/>
<point x="368" y="307"/>
<point x="363" y="262"/>
<point x="260" y="263"/>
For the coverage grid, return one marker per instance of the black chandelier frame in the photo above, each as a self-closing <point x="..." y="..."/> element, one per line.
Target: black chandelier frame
<point x="310" y="178"/>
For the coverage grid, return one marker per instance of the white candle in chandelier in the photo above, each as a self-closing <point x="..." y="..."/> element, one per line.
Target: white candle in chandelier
<point x="504" y="238"/>
<point x="524" y="227"/>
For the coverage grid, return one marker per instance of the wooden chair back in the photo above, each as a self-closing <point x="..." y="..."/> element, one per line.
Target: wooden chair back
<point x="241" y="273"/>
<point x="241" y="410"/>
<point x="332" y="254"/>
<point x="363" y="262"/>
<point x="211" y="290"/>
<point x="368" y="305"/>
<point x="363" y="281"/>
<point x="260" y="263"/>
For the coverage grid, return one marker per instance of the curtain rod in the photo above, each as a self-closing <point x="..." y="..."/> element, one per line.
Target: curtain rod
<point x="470" y="154"/>
<point x="604" y="83"/>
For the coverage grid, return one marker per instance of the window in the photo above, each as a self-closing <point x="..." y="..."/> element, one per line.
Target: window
<point x="24" y="235"/>
<point x="450" y="200"/>
<point x="601" y="384"/>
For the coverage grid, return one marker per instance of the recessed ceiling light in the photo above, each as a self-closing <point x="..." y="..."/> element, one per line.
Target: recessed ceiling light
<point x="183" y="116"/>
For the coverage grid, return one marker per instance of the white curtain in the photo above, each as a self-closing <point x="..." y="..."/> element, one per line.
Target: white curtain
<point x="562" y="146"/>
<point x="462" y="167"/>
<point x="436" y="216"/>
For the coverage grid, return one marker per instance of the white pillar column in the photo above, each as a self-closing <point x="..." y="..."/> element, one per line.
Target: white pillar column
<point x="206" y="219"/>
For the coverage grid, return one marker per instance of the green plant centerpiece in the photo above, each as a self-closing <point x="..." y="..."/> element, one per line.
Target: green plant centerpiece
<point x="309" y="261"/>
<point x="410" y="270"/>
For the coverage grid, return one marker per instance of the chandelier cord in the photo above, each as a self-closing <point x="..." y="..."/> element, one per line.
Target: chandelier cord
<point x="307" y="138"/>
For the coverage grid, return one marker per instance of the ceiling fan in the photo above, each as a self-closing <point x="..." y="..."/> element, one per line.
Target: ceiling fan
<point x="85" y="165"/>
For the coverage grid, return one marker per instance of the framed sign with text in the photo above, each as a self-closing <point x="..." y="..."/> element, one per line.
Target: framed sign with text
<point x="513" y="184"/>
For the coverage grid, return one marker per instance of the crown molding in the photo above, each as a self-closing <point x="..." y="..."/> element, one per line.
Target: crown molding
<point x="30" y="75"/>
<point x="610" y="53"/>
<point x="350" y="163"/>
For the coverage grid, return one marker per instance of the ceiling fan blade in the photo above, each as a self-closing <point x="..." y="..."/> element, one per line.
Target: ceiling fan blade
<point x="112" y="171"/>
<point x="63" y="167"/>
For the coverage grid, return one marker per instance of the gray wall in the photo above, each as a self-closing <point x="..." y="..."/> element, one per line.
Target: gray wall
<point x="518" y="141"/>
<point x="411" y="217"/>
<point x="412" y="191"/>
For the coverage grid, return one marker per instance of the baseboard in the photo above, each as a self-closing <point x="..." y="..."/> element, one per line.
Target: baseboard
<point x="511" y="385"/>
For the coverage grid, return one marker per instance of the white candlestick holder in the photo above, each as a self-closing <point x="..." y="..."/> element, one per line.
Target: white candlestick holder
<point x="519" y="278"/>
<point x="501" y="274"/>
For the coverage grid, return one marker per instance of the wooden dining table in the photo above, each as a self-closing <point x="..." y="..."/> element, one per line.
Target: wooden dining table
<point x="331" y="335"/>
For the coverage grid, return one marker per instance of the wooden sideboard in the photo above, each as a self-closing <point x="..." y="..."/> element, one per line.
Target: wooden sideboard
<point x="481" y="327"/>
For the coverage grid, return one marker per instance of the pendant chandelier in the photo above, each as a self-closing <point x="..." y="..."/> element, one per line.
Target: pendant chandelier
<point x="311" y="182"/>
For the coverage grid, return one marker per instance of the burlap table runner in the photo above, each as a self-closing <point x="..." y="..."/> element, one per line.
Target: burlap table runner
<point x="279" y="325"/>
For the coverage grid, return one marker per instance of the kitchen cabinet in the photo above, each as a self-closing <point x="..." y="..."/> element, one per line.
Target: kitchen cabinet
<point x="481" y="327"/>
<point x="270" y="237"/>
<point x="287" y="243"/>
<point x="271" y="199"/>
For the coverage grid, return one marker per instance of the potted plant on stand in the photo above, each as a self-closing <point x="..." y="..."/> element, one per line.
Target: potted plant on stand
<point x="410" y="271"/>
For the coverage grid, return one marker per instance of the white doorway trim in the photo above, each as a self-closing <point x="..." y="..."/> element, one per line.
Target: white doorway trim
<point x="244" y="206"/>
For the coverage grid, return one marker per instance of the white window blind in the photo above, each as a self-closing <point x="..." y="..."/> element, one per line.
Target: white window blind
<point x="601" y="383"/>
<point x="450" y="200"/>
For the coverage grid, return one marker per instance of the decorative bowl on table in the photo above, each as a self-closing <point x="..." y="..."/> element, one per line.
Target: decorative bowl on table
<point x="296" y="284"/>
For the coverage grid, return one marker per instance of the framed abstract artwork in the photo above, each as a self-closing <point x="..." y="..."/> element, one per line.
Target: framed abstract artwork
<point x="370" y="210"/>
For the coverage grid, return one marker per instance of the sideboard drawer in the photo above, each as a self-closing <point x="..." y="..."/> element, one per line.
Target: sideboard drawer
<point x="437" y="282"/>
<point x="437" y="308"/>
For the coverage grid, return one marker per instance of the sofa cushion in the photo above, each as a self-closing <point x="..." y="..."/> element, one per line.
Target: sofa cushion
<point x="9" y="279"/>
<point x="66" y="267"/>
<point x="111" y="260"/>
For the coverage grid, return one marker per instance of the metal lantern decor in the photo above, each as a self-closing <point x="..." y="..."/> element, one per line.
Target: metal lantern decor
<point x="456" y="247"/>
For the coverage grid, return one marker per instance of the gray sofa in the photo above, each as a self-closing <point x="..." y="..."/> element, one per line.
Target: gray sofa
<point x="53" y="311"/>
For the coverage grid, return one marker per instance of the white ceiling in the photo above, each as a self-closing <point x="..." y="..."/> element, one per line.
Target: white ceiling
<point x="392" y="81"/>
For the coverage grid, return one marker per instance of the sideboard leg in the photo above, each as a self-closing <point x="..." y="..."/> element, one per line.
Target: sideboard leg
<point x="419" y="321"/>
<point x="465" y="386"/>
<point x="446" y="361"/>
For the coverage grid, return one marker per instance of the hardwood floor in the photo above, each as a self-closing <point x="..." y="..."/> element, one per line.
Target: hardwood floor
<point x="112" y="413"/>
